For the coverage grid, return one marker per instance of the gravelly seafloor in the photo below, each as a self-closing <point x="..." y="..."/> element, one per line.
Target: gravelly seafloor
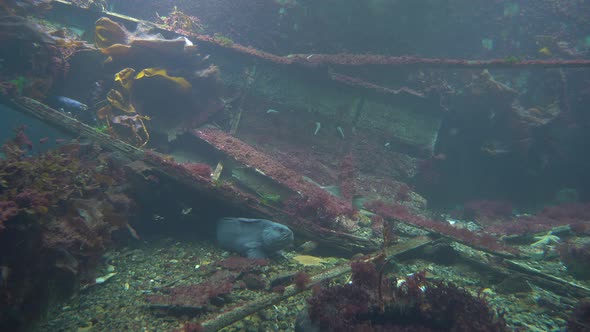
<point x="120" y="304"/>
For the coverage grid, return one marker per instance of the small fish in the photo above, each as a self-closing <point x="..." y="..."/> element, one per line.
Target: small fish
<point x="73" y="108"/>
<point x="43" y="140"/>
<point x="494" y="148"/>
<point x="495" y="152"/>
<point x="60" y="140"/>
<point x="71" y="105"/>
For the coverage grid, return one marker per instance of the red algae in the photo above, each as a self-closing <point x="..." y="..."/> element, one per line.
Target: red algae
<point x="251" y="157"/>
<point x="311" y="202"/>
<point x="279" y="289"/>
<point x="301" y="280"/>
<point x="402" y="213"/>
<point x="574" y="214"/>
<point x="202" y="170"/>
<point x="347" y="177"/>
<point x="487" y="210"/>
<point x="196" y="295"/>
<point x="318" y="60"/>
<point x="196" y="171"/>
<point x="373" y="302"/>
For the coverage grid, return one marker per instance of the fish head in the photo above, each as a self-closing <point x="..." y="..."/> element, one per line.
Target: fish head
<point x="276" y="237"/>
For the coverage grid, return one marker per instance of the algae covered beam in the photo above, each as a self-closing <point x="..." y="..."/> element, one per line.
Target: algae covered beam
<point x="313" y="60"/>
<point x="68" y="124"/>
<point x="387" y="60"/>
<point x="163" y="167"/>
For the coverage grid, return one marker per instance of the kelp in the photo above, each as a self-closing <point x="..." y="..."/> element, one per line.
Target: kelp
<point x="121" y="111"/>
<point x="108" y="33"/>
<point x="179" y="82"/>
<point x="115" y="40"/>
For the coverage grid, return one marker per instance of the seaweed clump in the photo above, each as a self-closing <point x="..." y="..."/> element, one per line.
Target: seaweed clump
<point x="181" y="22"/>
<point x="194" y="298"/>
<point x="374" y="303"/>
<point x="58" y="212"/>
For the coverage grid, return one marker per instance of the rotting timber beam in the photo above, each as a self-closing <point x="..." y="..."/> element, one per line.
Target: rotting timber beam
<point x="311" y="60"/>
<point x="338" y="240"/>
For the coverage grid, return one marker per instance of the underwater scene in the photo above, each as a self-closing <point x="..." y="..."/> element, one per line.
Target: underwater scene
<point x="294" y="165"/>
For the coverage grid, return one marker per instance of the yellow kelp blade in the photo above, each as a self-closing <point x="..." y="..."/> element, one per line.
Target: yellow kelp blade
<point x="179" y="82"/>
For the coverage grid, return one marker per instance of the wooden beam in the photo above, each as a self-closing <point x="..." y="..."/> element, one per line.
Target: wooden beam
<point x="343" y="242"/>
